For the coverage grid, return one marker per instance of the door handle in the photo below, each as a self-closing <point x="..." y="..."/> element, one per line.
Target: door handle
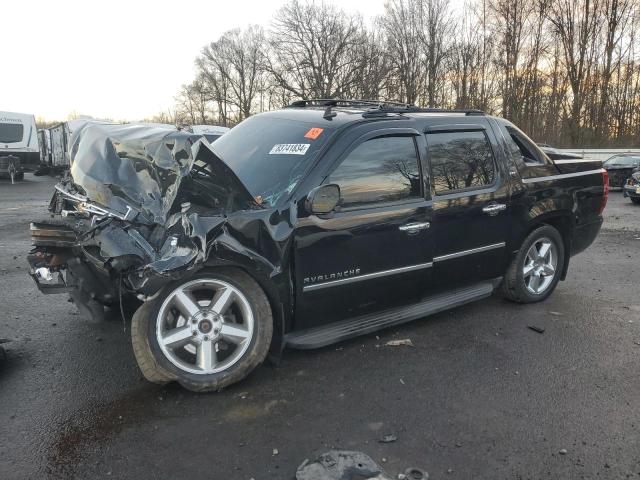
<point x="494" y="208"/>
<point x="414" y="227"/>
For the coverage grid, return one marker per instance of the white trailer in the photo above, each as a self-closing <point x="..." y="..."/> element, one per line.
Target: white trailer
<point x="18" y="139"/>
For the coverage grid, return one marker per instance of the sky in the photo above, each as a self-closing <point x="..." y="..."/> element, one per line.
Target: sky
<point x="124" y="60"/>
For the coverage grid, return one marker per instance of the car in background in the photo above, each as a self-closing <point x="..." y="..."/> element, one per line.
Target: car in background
<point x="210" y="132"/>
<point x="632" y="187"/>
<point x="620" y="167"/>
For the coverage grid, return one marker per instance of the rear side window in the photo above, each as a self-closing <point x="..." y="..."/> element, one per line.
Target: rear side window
<point x="11" y="132"/>
<point x="383" y="169"/>
<point x="520" y="145"/>
<point x="460" y="160"/>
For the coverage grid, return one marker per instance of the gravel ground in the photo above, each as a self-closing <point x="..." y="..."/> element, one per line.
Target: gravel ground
<point x="479" y="395"/>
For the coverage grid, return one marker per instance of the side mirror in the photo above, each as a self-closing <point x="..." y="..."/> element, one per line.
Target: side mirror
<point x="323" y="199"/>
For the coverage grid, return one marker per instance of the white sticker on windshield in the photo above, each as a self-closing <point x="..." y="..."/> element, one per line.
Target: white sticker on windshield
<point x="290" y="149"/>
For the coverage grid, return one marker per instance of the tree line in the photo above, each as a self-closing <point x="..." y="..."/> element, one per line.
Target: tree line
<point x="566" y="71"/>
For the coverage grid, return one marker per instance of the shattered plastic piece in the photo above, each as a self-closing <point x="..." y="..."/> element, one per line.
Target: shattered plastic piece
<point x="398" y="343"/>
<point x="535" y="329"/>
<point x="388" y="439"/>
<point x="341" y="465"/>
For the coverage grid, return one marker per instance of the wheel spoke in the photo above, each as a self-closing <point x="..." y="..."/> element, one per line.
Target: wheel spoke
<point x="534" y="282"/>
<point x="544" y="249"/>
<point x="187" y="306"/>
<point x="177" y="336"/>
<point x="206" y="355"/>
<point x="528" y="270"/>
<point x="548" y="270"/>
<point x="222" y="299"/>
<point x="234" y="333"/>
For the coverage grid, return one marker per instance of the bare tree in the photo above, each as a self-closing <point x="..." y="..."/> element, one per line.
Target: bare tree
<point x="314" y="49"/>
<point x="567" y="71"/>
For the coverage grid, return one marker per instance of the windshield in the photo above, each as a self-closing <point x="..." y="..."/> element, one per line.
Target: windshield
<point x="270" y="155"/>
<point x="623" y="161"/>
<point x="11" y="132"/>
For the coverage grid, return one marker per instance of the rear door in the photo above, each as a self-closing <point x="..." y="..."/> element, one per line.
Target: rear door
<point x="376" y="250"/>
<point x="470" y="203"/>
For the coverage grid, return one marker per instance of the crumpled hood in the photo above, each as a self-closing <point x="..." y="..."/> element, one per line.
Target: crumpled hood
<point x="145" y="168"/>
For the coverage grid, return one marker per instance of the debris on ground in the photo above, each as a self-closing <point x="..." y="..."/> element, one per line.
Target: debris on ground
<point x="341" y="465"/>
<point x="388" y="439"/>
<point x="563" y="451"/>
<point x="535" y="328"/>
<point x="557" y="314"/>
<point x="399" y="343"/>
<point x="413" y="474"/>
<point x="275" y="451"/>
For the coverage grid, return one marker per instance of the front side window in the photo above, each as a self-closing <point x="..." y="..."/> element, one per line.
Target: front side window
<point x="383" y="169"/>
<point x="460" y="160"/>
<point x="11" y="132"/>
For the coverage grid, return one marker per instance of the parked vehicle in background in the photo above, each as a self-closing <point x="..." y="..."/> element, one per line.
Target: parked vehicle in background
<point x="19" y="138"/>
<point x="620" y="168"/>
<point x="307" y="226"/>
<point x="57" y="140"/>
<point x="44" y="144"/>
<point x="210" y="132"/>
<point x="632" y="187"/>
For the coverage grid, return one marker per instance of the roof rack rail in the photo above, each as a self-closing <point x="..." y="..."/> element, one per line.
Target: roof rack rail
<point x="375" y="107"/>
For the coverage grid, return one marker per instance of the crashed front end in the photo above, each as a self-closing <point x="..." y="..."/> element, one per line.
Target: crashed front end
<point x="142" y="206"/>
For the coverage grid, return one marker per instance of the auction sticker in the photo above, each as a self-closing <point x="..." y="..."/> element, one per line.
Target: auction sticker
<point x="290" y="149"/>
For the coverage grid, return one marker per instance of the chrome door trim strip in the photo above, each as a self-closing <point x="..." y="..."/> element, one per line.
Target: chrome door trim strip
<point x="367" y="276"/>
<point x="562" y="175"/>
<point x="562" y="162"/>
<point x="462" y="253"/>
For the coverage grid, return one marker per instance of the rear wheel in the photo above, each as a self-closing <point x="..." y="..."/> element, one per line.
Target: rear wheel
<point x="535" y="271"/>
<point x="635" y="200"/>
<point x="206" y="333"/>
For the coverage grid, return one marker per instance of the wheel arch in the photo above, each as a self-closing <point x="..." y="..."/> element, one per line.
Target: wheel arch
<point x="274" y="296"/>
<point x="561" y="221"/>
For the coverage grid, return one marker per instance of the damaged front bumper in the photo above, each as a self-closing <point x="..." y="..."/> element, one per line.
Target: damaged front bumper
<point x="85" y="247"/>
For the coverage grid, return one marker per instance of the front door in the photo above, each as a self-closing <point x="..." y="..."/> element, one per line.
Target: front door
<point x="376" y="250"/>
<point x="470" y="204"/>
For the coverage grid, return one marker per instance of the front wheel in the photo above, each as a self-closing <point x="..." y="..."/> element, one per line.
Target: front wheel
<point x="207" y="332"/>
<point x="535" y="271"/>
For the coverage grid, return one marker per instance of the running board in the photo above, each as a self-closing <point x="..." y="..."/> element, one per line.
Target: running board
<point x="338" y="331"/>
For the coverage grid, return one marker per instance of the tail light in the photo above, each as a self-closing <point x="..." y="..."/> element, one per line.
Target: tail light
<point x="605" y="193"/>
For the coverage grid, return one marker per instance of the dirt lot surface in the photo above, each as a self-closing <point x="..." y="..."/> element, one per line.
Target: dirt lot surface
<point x="479" y="395"/>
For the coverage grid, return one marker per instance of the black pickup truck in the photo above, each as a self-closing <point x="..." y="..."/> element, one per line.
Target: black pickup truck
<point x="306" y="226"/>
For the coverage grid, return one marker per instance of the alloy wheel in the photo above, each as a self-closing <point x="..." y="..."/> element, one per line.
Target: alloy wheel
<point x="540" y="265"/>
<point x="205" y="326"/>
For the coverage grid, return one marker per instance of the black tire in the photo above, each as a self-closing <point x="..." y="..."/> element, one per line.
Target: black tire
<point x="513" y="284"/>
<point x="635" y="200"/>
<point x="157" y="368"/>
